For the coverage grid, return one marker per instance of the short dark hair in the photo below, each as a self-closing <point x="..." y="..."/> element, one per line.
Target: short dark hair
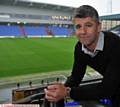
<point x="86" y="11"/>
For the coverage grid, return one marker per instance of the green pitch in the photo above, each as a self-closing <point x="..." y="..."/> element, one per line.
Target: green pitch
<point x="20" y="56"/>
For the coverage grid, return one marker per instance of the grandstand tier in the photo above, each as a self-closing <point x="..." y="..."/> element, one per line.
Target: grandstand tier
<point x="18" y="31"/>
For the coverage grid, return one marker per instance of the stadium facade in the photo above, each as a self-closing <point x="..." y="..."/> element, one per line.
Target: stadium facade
<point x="19" y="18"/>
<point x="22" y="18"/>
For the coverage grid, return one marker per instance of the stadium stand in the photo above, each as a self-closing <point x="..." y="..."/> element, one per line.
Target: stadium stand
<point x="35" y="30"/>
<point x="9" y="30"/>
<point x="59" y="30"/>
<point x="21" y="19"/>
<point x="32" y="31"/>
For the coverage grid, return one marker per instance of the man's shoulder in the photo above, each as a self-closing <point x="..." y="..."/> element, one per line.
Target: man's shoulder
<point x="111" y="35"/>
<point x="111" y="41"/>
<point x="78" y="45"/>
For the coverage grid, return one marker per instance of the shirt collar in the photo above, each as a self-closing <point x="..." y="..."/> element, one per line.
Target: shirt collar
<point x="100" y="43"/>
<point x="99" y="46"/>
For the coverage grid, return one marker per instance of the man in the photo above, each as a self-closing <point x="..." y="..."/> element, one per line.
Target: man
<point x="97" y="49"/>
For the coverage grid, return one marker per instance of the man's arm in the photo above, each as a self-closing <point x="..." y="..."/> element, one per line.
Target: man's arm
<point x="79" y="68"/>
<point x="108" y="88"/>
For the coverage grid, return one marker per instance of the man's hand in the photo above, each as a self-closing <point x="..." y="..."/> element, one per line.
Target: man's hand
<point x="55" y="92"/>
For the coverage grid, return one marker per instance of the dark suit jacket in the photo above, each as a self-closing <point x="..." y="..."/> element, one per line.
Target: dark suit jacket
<point x="106" y="62"/>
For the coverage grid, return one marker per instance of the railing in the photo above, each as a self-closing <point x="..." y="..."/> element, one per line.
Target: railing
<point x="38" y="98"/>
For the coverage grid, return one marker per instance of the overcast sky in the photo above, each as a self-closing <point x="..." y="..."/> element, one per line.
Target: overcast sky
<point x="103" y="6"/>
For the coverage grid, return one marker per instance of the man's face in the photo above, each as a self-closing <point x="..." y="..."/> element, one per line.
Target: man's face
<point x="87" y="30"/>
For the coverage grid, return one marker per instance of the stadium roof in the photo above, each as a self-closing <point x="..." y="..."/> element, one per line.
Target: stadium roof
<point x="111" y="17"/>
<point x="27" y="3"/>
